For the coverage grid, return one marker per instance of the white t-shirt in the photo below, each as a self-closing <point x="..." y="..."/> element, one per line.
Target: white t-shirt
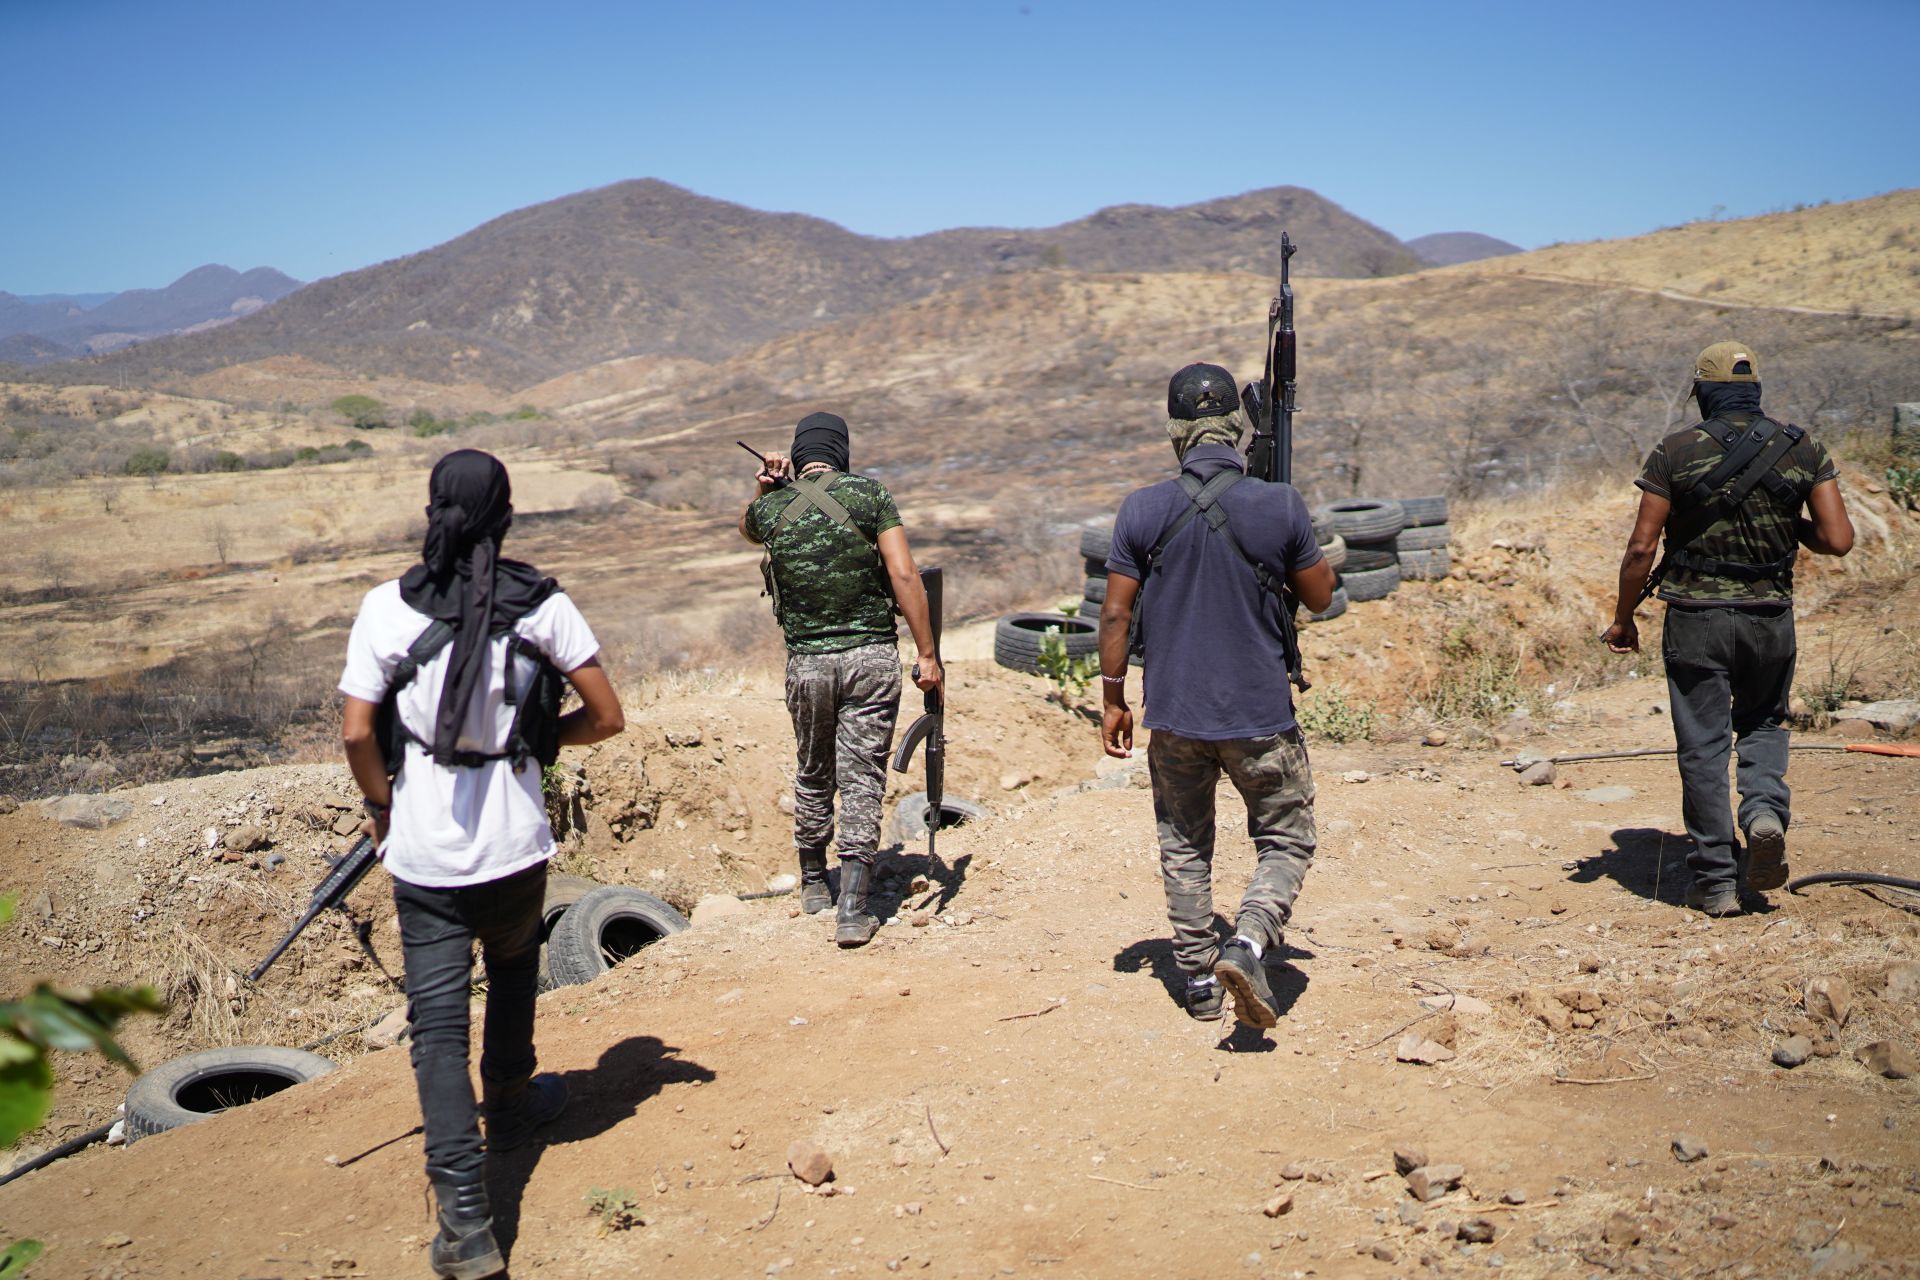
<point x="461" y="826"/>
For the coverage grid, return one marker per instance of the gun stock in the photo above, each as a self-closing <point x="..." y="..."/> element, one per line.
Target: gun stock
<point x="332" y="891"/>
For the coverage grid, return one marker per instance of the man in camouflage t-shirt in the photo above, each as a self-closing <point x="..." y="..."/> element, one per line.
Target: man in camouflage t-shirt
<point x="1727" y="578"/>
<point x="837" y="562"/>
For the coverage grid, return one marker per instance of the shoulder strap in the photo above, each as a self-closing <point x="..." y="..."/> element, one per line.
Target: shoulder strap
<point x="1753" y="458"/>
<point x="422" y="651"/>
<point x="1200" y="499"/>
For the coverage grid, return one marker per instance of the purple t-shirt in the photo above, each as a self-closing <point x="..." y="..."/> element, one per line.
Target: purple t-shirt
<point x="1215" y="664"/>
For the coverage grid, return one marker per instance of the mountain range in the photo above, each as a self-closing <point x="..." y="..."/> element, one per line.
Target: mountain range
<point x="647" y="268"/>
<point x="60" y="326"/>
<point x="1451" y="248"/>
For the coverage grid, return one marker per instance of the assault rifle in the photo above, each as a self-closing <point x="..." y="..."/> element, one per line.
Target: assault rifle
<point x="780" y="483"/>
<point x="1270" y="404"/>
<point x="347" y="873"/>
<point x="931" y="726"/>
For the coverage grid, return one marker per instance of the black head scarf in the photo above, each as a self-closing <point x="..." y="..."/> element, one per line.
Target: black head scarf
<point x="1720" y="398"/>
<point x="462" y="581"/>
<point x="822" y="437"/>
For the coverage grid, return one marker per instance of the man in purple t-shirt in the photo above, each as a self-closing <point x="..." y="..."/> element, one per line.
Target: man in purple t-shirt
<point x="1216" y="691"/>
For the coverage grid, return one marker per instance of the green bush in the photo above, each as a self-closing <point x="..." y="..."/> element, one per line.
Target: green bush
<point x="147" y="460"/>
<point x="1331" y="716"/>
<point x="228" y="460"/>
<point x="363" y="412"/>
<point x="1070" y="676"/>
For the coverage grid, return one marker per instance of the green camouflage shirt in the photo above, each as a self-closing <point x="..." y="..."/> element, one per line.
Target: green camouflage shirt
<point x="828" y="580"/>
<point x="1759" y="531"/>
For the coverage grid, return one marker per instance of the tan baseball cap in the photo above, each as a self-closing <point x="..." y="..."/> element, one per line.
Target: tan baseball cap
<point x="1727" y="362"/>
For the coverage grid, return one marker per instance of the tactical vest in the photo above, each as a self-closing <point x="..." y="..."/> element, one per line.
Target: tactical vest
<point x="811" y="494"/>
<point x="1752" y="459"/>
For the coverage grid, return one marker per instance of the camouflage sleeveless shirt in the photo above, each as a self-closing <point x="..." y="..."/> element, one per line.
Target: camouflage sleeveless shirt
<point x="830" y="594"/>
<point x="1759" y="531"/>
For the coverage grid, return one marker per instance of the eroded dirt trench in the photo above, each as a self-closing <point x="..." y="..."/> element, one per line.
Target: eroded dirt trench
<point x="1006" y="1084"/>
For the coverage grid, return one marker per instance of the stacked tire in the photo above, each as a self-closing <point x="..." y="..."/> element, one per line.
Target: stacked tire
<point x="1094" y="545"/>
<point x="1368" y="528"/>
<point x="1019" y="638"/>
<point x="1424" y="546"/>
<point x="1334" y="548"/>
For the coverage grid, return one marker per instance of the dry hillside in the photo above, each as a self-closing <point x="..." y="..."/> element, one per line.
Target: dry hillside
<point x="1861" y="257"/>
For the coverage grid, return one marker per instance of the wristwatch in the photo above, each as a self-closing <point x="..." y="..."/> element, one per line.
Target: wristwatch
<point x="377" y="811"/>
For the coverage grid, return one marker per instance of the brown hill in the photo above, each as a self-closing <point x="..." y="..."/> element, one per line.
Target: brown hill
<point x="643" y="268"/>
<point x="1450" y="248"/>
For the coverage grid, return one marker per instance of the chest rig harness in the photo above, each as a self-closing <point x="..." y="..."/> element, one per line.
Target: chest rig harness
<point x="1753" y="456"/>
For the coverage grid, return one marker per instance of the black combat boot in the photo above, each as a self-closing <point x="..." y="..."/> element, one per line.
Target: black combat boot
<point x="855" y="927"/>
<point x="465" y="1248"/>
<point x="1242" y="974"/>
<point x="513" y="1110"/>
<point x="815" y="896"/>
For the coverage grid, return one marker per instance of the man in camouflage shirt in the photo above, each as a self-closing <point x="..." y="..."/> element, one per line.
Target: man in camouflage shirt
<point x="837" y="561"/>
<point x="1728" y="641"/>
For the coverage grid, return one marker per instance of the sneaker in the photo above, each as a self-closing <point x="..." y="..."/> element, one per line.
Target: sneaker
<point x="1766" y="853"/>
<point x="514" y="1112"/>
<point x="1241" y="972"/>
<point x="1204" y="999"/>
<point x="1721" y="901"/>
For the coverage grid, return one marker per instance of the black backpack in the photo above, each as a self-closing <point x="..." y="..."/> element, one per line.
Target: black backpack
<point x="534" y="734"/>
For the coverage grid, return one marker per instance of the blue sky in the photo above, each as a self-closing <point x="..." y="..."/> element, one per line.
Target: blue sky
<point x="150" y="136"/>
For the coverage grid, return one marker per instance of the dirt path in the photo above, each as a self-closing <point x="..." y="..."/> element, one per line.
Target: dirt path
<point x="1010" y="1088"/>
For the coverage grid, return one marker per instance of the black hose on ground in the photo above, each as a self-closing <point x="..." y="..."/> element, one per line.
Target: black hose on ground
<point x="1853" y="877"/>
<point x="60" y="1152"/>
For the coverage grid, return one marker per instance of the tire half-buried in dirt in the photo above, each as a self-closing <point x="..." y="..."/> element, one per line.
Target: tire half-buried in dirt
<point x="562" y="892"/>
<point x="910" y="815"/>
<point x="215" y="1080"/>
<point x="605" y="927"/>
<point x="1018" y="637"/>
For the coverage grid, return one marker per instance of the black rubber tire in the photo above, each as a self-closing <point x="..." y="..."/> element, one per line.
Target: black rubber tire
<point x="1371" y="584"/>
<point x="1090" y="609"/>
<point x="1424" y="537"/>
<point x="910" y="815"/>
<point x="604" y="928"/>
<point x="215" y="1080"/>
<point x="1425" y="566"/>
<point x="1336" y="553"/>
<point x="562" y="892"/>
<point x="1096" y="543"/>
<point x="1322" y="532"/>
<point x="1095" y="588"/>
<point x="1364" y="519"/>
<point x="1424" y="511"/>
<point x="1336" y="607"/>
<point x="1367" y="556"/>
<point x="1017" y="638"/>
<point x="1095" y="568"/>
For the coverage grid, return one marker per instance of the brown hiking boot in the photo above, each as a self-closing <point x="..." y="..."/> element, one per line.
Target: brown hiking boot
<point x="1241" y="972"/>
<point x="1766" y="853"/>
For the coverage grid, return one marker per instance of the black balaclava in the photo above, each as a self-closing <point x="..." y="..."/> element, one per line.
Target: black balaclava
<point x="822" y="437"/>
<point x="462" y="581"/>
<point x="1718" y="399"/>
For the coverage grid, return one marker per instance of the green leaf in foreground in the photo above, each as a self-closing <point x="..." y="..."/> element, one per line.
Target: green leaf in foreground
<point x="26" y="1095"/>
<point x="18" y="1257"/>
<point x="58" y="1017"/>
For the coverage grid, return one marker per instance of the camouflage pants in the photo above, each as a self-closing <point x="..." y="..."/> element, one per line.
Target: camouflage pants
<point x="843" y="707"/>
<point x="1273" y="777"/>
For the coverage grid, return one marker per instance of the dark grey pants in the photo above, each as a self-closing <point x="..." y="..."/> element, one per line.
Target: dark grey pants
<point x="1729" y="675"/>
<point x="1272" y="775"/>
<point x="843" y="706"/>
<point x="437" y="932"/>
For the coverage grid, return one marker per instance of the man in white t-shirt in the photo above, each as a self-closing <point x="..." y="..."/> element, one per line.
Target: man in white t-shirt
<point x="462" y="825"/>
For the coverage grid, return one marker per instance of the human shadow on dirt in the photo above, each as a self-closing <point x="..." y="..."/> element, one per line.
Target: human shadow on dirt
<point x="897" y="869"/>
<point x="1651" y="863"/>
<point x="598" y="1098"/>
<point x="1155" y="955"/>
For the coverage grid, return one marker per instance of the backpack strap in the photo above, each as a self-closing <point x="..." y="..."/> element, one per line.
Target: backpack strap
<point x="1201" y="500"/>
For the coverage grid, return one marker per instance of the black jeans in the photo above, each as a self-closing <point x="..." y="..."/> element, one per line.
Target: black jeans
<point x="437" y="931"/>
<point x="1729" y="672"/>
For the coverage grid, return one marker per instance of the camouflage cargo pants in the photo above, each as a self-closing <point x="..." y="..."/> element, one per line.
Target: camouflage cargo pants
<point x="1272" y="775"/>
<point x="843" y="707"/>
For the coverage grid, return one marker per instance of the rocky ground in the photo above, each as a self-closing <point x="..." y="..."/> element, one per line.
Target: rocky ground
<point x="1003" y="1082"/>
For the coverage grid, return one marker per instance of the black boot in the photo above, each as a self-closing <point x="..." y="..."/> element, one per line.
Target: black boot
<point x="854" y="927"/>
<point x="515" y="1109"/>
<point x="465" y="1248"/>
<point x="815" y="896"/>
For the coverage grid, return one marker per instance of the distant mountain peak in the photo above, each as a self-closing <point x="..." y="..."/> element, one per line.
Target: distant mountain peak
<point x="1450" y="248"/>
